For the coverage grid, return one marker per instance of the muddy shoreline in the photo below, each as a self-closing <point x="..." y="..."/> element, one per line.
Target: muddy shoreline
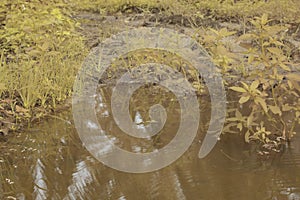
<point x="96" y="27"/>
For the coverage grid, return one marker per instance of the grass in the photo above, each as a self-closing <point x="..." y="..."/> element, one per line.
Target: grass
<point x="41" y="52"/>
<point x="262" y="75"/>
<point x="282" y="10"/>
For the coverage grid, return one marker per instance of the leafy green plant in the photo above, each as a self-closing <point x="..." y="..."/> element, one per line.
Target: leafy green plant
<point x="41" y="52"/>
<point x="281" y="10"/>
<point x="265" y="79"/>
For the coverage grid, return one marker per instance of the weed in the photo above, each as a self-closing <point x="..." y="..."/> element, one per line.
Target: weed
<point x="267" y="86"/>
<point x="40" y="54"/>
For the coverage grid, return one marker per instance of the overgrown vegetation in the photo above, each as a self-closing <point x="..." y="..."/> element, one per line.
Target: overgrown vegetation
<point x="281" y="10"/>
<point x="266" y="78"/>
<point x="40" y="55"/>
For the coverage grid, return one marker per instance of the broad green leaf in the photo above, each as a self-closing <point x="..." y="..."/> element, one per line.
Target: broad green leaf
<point x="250" y="120"/>
<point x="238" y="89"/>
<point x="247" y="136"/>
<point x="247" y="37"/>
<point x="232" y="119"/>
<point x="284" y="67"/>
<point x="240" y="126"/>
<point x="244" y="99"/>
<point x="238" y="115"/>
<point x="245" y="85"/>
<point x="275" y="110"/>
<point x="227" y="129"/>
<point x="254" y="85"/>
<point x="262" y="102"/>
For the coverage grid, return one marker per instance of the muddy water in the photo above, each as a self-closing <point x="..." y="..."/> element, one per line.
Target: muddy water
<point x="48" y="161"/>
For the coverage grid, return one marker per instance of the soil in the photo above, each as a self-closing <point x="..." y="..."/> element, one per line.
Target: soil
<point x="95" y="28"/>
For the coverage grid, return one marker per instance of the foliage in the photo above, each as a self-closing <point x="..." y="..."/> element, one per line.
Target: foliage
<point x="133" y="6"/>
<point x="265" y="78"/>
<point x="40" y="54"/>
<point x="281" y="10"/>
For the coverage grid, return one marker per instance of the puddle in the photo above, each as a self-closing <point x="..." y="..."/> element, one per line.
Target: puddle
<point x="49" y="162"/>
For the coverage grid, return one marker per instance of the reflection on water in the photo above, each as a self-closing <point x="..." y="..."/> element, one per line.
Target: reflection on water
<point x="40" y="186"/>
<point x="80" y="179"/>
<point x="49" y="162"/>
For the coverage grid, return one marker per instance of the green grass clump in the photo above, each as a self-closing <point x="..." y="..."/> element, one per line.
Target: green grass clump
<point x="127" y="6"/>
<point x="40" y="53"/>
<point x="282" y="10"/>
